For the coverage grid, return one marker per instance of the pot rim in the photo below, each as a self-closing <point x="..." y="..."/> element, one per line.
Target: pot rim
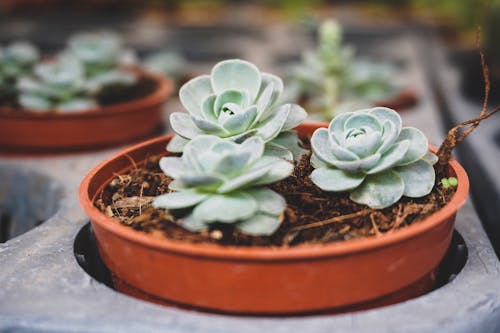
<point x="164" y="87"/>
<point x="261" y="253"/>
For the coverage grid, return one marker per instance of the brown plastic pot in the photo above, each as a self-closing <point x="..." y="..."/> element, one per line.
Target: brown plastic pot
<point x="337" y="276"/>
<point x="28" y="131"/>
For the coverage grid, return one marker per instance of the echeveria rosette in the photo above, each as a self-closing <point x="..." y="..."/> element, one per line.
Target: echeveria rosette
<point x="234" y="102"/>
<point x="102" y="54"/>
<point x="371" y="155"/>
<point x="222" y="181"/>
<point x="17" y="59"/>
<point x="55" y="85"/>
<point x="99" y="51"/>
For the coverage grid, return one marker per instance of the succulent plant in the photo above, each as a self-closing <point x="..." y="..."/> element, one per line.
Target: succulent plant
<point x="221" y="181"/>
<point x="234" y="102"/>
<point x="99" y="51"/>
<point x="166" y="63"/>
<point x="332" y="81"/>
<point x="16" y="60"/>
<point x="371" y="155"/>
<point x="55" y="85"/>
<point x="102" y="54"/>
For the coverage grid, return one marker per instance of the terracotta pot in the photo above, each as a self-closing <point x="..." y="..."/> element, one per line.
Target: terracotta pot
<point x="24" y="131"/>
<point x="404" y="100"/>
<point x="258" y="280"/>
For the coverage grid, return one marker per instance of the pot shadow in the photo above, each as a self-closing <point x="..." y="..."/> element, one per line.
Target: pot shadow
<point x="87" y="256"/>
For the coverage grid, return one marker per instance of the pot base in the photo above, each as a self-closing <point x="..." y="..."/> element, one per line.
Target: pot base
<point x="419" y="288"/>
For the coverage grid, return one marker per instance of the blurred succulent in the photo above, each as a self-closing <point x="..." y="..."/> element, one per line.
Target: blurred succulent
<point x="99" y="51"/>
<point x="166" y="63"/>
<point x="102" y="54"/>
<point x="16" y="60"/>
<point x="235" y="102"/>
<point x="221" y="181"/>
<point x="331" y="81"/>
<point x="55" y="85"/>
<point x="371" y="155"/>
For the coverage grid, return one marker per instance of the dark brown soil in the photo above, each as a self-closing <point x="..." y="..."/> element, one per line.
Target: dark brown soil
<point x="312" y="216"/>
<point x="109" y="96"/>
<point x="120" y="94"/>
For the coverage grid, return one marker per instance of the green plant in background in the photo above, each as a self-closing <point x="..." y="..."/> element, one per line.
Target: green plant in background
<point x="331" y="81"/>
<point x="214" y="173"/>
<point x="166" y="62"/>
<point x="234" y="102"/>
<point x="55" y="85"/>
<point x="102" y="55"/>
<point x="16" y="60"/>
<point x="371" y="155"/>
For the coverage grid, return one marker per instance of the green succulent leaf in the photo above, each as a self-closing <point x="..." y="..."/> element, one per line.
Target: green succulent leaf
<point x="288" y="140"/>
<point x="172" y="166"/>
<point x="241" y="122"/>
<point x="269" y="202"/>
<point x="430" y="158"/>
<point x="391" y="158"/>
<point x="317" y="163"/>
<point x="272" y="126"/>
<point x="193" y="93"/>
<point x="183" y="125"/>
<point x="418" y="145"/>
<point x="296" y="116"/>
<point x="418" y="178"/>
<point x="190" y="223"/>
<point x="335" y="180"/>
<point x="77" y="104"/>
<point x="279" y="169"/>
<point x="260" y="225"/>
<point x="237" y="206"/>
<point x="236" y="74"/>
<point x="380" y="190"/>
<point x="34" y="102"/>
<point x="276" y="150"/>
<point x="177" y="144"/>
<point x="178" y="200"/>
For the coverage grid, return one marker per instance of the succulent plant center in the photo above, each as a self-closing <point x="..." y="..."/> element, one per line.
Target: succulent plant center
<point x="362" y="141"/>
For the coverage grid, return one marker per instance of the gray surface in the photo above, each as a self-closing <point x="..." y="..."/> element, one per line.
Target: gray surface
<point x="43" y="289"/>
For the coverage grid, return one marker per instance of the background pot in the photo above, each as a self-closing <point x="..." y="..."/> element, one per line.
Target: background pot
<point x="104" y="126"/>
<point x="260" y="280"/>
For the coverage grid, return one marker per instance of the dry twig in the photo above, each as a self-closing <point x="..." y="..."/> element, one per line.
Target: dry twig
<point x="457" y="134"/>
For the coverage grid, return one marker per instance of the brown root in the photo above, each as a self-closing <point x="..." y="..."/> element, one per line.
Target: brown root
<point x="458" y="133"/>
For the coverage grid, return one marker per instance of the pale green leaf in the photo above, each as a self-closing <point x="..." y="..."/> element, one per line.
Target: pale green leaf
<point x="194" y="92"/>
<point x="228" y="208"/>
<point x="183" y="125"/>
<point x="418" y="178"/>
<point x="269" y="201"/>
<point x="336" y="180"/>
<point x="236" y="74"/>
<point x="172" y="166"/>
<point x="380" y="190"/>
<point x="177" y="144"/>
<point x="241" y="121"/>
<point x="178" y="200"/>
<point x="391" y="158"/>
<point x="419" y="145"/>
<point x="260" y="225"/>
